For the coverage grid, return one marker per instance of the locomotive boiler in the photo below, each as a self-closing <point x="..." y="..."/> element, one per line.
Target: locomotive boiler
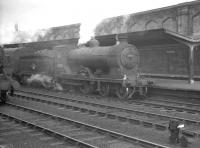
<point x="105" y="69"/>
<point x="109" y="62"/>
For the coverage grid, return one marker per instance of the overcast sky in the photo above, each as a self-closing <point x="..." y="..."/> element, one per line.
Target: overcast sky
<point x="39" y="14"/>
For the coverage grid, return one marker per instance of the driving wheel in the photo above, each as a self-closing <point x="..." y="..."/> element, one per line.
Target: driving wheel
<point x="104" y="89"/>
<point x="122" y="92"/>
<point x="86" y="88"/>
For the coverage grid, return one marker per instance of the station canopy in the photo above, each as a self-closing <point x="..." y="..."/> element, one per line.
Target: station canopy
<point x="139" y="38"/>
<point x="148" y="37"/>
<point x="43" y="44"/>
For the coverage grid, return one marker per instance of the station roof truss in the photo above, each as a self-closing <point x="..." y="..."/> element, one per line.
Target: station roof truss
<point x="188" y="41"/>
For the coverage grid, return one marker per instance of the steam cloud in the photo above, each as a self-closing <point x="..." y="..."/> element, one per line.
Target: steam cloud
<point x="46" y="82"/>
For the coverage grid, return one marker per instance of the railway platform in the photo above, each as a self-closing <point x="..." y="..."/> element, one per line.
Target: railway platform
<point x="172" y="84"/>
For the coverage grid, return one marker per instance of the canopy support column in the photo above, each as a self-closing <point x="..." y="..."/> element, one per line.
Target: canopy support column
<point x="191" y="43"/>
<point x="191" y="64"/>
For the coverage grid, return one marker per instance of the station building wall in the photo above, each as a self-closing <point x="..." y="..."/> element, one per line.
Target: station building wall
<point x="167" y="59"/>
<point x="164" y="59"/>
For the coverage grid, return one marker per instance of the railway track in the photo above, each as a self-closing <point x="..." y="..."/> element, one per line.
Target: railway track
<point x="156" y="103"/>
<point x="170" y="104"/>
<point x="15" y="135"/>
<point x="115" y="112"/>
<point x="178" y="102"/>
<point x="167" y="104"/>
<point x="78" y="133"/>
<point x="179" y="105"/>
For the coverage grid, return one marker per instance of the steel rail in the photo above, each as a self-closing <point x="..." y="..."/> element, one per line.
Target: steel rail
<point x="178" y="108"/>
<point x="119" y="108"/>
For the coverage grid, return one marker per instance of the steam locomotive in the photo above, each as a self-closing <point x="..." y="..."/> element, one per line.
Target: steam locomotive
<point x="92" y="68"/>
